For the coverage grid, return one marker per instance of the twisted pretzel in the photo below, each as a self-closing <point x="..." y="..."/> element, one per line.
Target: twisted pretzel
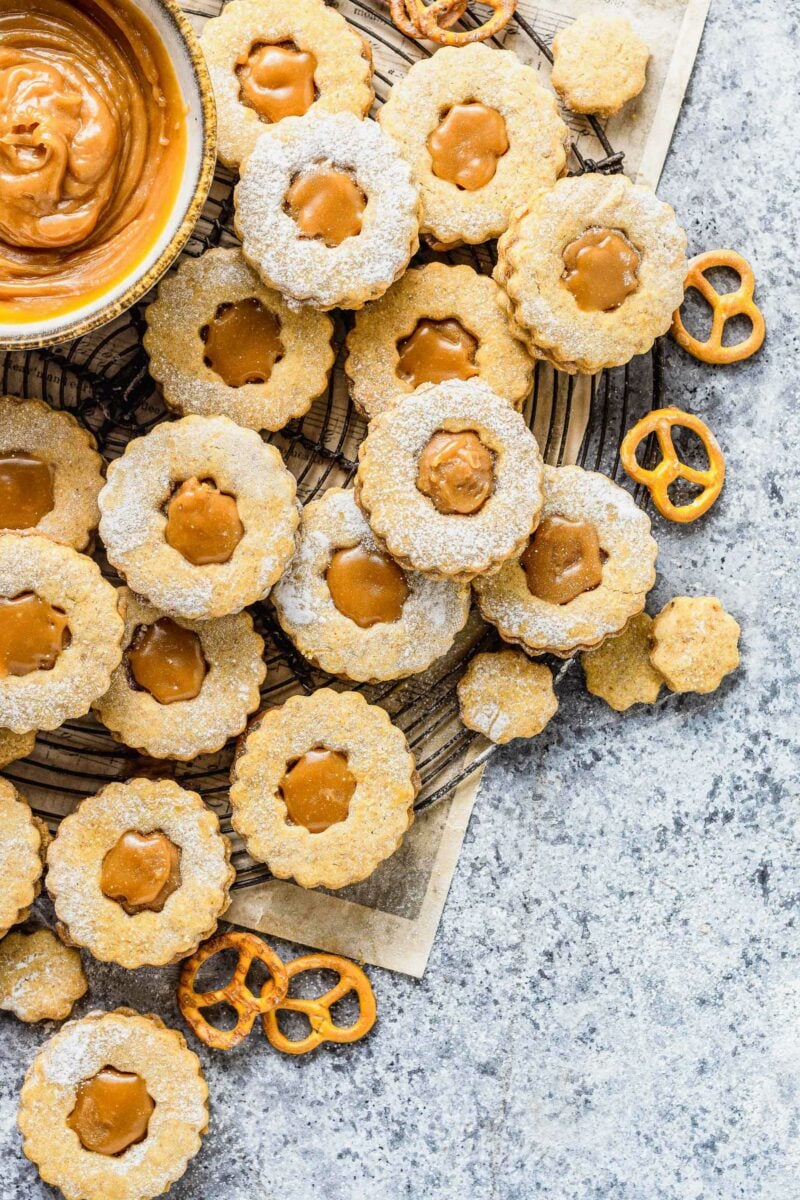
<point x="417" y="18"/>
<point x="318" y="1011"/>
<point x="724" y="305"/>
<point x="401" y="14"/>
<point x="236" y="994"/>
<point x="670" y="468"/>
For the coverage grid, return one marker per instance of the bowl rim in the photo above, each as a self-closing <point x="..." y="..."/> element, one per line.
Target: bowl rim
<point x="107" y="313"/>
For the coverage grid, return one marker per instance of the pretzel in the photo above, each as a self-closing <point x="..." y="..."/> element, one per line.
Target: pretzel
<point x="318" y="1011"/>
<point x="724" y="305"/>
<point x="236" y="994"/>
<point x="670" y="468"/>
<point x="420" y="19"/>
<point x="404" y="21"/>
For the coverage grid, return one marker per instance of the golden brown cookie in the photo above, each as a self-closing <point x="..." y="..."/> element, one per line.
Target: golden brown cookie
<point x="15" y="745"/>
<point x="585" y="572"/>
<point x="481" y="135"/>
<point x="594" y="269"/>
<point x="199" y="516"/>
<point x="436" y="323"/>
<point x="50" y="473"/>
<point x="221" y="343"/>
<point x="506" y="696"/>
<point x="599" y="64"/>
<point x="271" y="59"/>
<point x="113" y="1107"/>
<point x="619" y="671"/>
<point x="694" y="644"/>
<point x="41" y="979"/>
<point x="23" y="841"/>
<point x="140" y="874"/>
<point x="323" y="789"/>
<point x="327" y="211"/>
<point x="450" y="480"/>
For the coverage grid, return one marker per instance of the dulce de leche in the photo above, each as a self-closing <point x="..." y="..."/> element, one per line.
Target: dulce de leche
<point x="92" y="150"/>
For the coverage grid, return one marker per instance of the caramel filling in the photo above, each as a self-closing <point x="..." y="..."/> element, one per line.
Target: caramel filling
<point x="466" y="146"/>
<point x="141" y="871"/>
<point x="601" y="269"/>
<point x="366" y="586"/>
<point x="563" y="560"/>
<point x="437" y="350"/>
<point x="277" y="80"/>
<point x="456" y="471"/>
<point x="166" y="660"/>
<point x="326" y="204"/>
<point x="242" y="343"/>
<point x="32" y="634"/>
<point x="317" y="790"/>
<point x="203" y="523"/>
<point x="26" y="491"/>
<point x="112" y="1112"/>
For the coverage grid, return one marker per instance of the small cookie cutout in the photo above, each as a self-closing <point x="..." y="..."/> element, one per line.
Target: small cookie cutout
<point x="599" y="64"/>
<point x="14" y="746"/>
<point x="506" y="696"/>
<point x="695" y="644"/>
<point x="619" y="671"/>
<point x="41" y="979"/>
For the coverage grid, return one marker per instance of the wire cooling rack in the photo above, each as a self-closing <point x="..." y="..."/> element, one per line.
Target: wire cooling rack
<point x="103" y="379"/>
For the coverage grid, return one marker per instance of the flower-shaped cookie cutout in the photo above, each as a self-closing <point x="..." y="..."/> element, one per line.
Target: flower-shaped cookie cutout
<point x="506" y="696"/>
<point x="599" y="64"/>
<point x="619" y="671"/>
<point x="15" y="745"/>
<point x="41" y="979"/>
<point x="695" y="644"/>
<point x="23" y="842"/>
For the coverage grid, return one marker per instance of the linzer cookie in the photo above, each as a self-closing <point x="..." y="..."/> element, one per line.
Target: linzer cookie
<point x="60" y="633"/>
<point x="599" y="64"/>
<point x="273" y="59"/>
<point x="41" y="979"/>
<point x="23" y="841"/>
<point x="183" y="687"/>
<point x="450" y="480"/>
<point x="506" y="696"/>
<point x="481" y="135"/>
<point x="436" y="323"/>
<point x="221" y="343"/>
<point x="139" y="874"/>
<point x="694" y="644"/>
<point x="323" y="789"/>
<point x="327" y="211"/>
<point x="585" y="572"/>
<point x="594" y="269"/>
<point x="50" y="473"/>
<point x="352" y="610"/>
<point x="199" y="516"/>
<point x="620" y="671"/>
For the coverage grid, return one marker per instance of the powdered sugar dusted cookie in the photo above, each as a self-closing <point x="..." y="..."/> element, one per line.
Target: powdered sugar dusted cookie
<point x="506" y="696"/>
<point x="599" y="64"/>
<point x="41" y="979"/>
<point x="15" y="745"/>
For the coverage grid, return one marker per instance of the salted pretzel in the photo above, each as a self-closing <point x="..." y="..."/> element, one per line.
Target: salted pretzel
<point x="417" y="18"/>
<point x="318" y="1011"/>
<point x="659" y="478"/>
<point x="402" y="15"/>
<point x="724" y="306"/>
<point x="236" y="993"/>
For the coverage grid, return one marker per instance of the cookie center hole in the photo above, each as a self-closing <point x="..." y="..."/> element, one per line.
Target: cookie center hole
<point x="141" y="871"/>
<point x="601" y="269"/>
<point x="167" y="660"/>
<point x="467" y="144"/>
<point x="277" y="80"/>
<point x="317" y="789"/>
<point x="456" y="472"/>
<point x="203" y="522"/>
<point x="33" y="633"/>
<point x="563" y="560"/>
<point x="26" y="490"/>
<point x="112" y="1112"/>
<point x="367" y="586"/>
<point x="326" y="204"/>
<point x="435" y="351"/>
<point x="242" y="343"/>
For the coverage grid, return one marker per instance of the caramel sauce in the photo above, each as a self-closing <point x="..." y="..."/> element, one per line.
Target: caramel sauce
<point x="203" y="523"/>
<point x="601" y="269"/>
<point x="435" y="351"/>
<point x="466" y="146"/>
<point x="326" y="204"/>
<point x="166" y="660"/>
<point x="112" y="1112"/>
<point x="32" y="634"/>
<point x="141" y="871"/>
<point x="317" y="790"/>
<point x="563" y="560"/>
<point x="26" y="491"/>
<point x="367" y="586"/>
<point x="456" y="471"/>
<point x="243" y="342"/>
<point x="277" y="81"/>
<point x="92" y="150"/>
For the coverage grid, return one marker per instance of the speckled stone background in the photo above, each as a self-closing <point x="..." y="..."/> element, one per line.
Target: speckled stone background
<point x="612" y="1007"/>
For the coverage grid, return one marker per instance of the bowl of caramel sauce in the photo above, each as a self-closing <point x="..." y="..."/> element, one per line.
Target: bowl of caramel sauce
<point x="107" y="152"/>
